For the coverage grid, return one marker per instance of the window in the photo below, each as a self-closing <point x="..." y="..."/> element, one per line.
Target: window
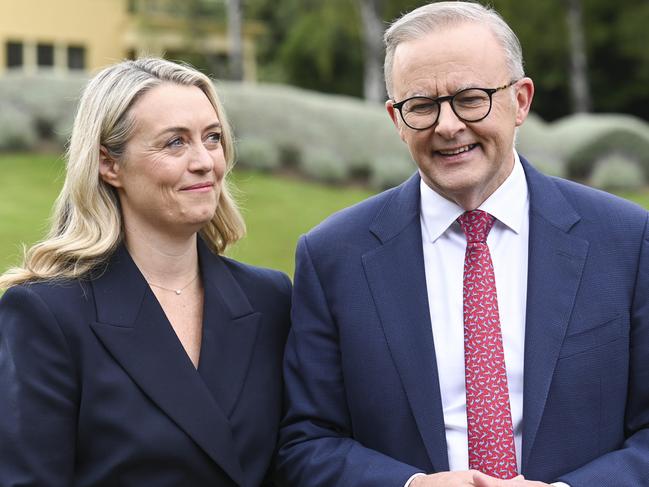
<point x="45" y="55"/>
<point x="14" y="54"/>
<point x="76" y="57"/>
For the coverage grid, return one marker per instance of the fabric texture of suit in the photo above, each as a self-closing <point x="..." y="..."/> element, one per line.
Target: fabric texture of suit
<point x="364" y="405"/>
<point x="97" y="390"/>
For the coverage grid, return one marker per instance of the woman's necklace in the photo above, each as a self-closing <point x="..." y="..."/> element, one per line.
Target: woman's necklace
<point x="178" y="291"/>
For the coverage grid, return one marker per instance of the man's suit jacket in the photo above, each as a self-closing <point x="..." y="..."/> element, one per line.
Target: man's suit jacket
<point x="364" y="406"/>
<point x="97" y="390"/>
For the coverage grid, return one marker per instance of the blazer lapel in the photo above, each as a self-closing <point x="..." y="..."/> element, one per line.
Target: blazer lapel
<point x="133" y="327"/>
<point x="556" y="261"/>
<point x="396" y="276"/>
<point x="230" y="329"/>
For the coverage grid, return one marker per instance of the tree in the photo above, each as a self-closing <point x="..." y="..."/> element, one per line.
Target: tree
<point x="235" y="39"/>
<point x="373" y="85"/>
<point x="578" y="60"/>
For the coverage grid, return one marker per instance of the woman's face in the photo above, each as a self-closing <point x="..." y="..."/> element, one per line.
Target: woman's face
<point x="170" y="176"/>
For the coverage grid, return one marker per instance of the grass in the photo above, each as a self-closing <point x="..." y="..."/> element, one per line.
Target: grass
<point x="28" y="186"/>
<point x="277" y="210"/>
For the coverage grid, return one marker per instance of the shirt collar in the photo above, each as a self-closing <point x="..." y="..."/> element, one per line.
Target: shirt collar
<point x="508" y="204"/>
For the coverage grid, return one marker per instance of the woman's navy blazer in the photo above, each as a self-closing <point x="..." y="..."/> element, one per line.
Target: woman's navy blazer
<point x="97" y="390"/>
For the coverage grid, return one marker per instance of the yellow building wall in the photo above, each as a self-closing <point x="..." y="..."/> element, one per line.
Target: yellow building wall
<point x="97" y="25"/>
<point x="106" y="30"/>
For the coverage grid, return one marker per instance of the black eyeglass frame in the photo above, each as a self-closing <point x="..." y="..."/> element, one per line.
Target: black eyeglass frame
<point x="451" y="98"/>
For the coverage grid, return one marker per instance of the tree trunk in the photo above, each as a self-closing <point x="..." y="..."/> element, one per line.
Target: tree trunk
<point x="373" y="84"/>
<point x="578" y="60"/>
<point x="235" y="39"/>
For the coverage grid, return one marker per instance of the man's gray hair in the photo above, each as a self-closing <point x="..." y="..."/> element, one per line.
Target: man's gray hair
<point x="440" y="15"/>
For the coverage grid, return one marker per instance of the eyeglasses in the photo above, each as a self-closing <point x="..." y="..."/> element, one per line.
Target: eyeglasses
<point x="470" y="105"/>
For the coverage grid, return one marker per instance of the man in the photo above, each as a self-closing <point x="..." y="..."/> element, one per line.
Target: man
<point x="437" y="345"/>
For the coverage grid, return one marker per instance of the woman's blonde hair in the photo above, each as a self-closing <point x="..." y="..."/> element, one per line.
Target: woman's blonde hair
<point x="86" y="222"/>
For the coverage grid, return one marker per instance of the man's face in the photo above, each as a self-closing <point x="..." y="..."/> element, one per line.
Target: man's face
<point x="463" y="161"/>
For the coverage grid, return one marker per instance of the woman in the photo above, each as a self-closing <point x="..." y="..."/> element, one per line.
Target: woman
<point x="131" y="352"/>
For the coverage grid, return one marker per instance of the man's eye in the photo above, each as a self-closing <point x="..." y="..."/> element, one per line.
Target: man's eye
<point x="422" y="107"/>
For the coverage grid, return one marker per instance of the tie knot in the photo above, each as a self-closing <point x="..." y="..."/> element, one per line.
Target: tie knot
<point x="476" y="225"/>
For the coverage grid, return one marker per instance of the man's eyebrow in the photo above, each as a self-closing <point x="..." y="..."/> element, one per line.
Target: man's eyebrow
<point x="427" y="94"/>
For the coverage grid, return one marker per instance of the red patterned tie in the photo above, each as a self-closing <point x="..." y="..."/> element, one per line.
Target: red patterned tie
<point x="490" y="431"/>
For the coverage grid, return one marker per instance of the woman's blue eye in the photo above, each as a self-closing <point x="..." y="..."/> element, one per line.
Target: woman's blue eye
<point x="214" y="137"/>
<point x="175" y="142"/>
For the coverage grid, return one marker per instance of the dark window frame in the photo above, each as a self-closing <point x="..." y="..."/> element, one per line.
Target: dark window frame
<point x="76" y="55"/>
<point x="44" y="55"/>
<point x="15" y="52"/>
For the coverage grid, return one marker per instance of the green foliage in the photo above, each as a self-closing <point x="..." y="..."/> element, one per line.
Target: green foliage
<point x="310" y="43"/>
<point x="532" y="141"/>
<point x="585" y="139"/>
<point x="542" y="30"/>
<point x="616" y="172"/>
<point x="324" y="166"/>
<point x="47" y="102"/>
<point x="257" y="153"/>
<point x="17" y="132"/>
<point x="317" y="45"/>
<point x="390" y="171"/>
<point x="330" y="138"/>
<point x="617" y="37"/>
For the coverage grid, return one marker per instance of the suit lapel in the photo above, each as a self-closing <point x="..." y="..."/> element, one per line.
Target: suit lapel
<point x="396" y="276"/>
<point x="134" y="329"/>
<point x="556" y="261"/>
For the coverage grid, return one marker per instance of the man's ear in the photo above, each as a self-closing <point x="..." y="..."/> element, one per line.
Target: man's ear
<point x="524" y="96"/>
<point x="389" y="106"/>
<point x="109" y="169"/>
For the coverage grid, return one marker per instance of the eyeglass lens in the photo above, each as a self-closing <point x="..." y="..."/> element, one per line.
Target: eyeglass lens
<point x="470" y="105"/>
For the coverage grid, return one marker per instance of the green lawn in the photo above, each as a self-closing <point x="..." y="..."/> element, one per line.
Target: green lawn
<point x="277" y="210"/>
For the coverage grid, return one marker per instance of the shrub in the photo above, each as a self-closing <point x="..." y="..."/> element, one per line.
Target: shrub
<point x="347" y="135"/>
<point x="583" y="139"/>
<point x="325" y="166"/>
<point x="48" y="101"/>
<point x="334" y="138"/>
<point x="257" y="153"/>
<point x="616" y="172"/>
<point x="391" y="171"/>
<point x="534" y="143"/>
<point x="16" y="129"/>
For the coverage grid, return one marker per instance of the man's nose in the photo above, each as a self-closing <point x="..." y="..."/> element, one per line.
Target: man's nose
<point x="448" y="123"/>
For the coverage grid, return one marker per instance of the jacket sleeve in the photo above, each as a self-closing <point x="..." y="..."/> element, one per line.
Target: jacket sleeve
<point x="317" y="448"/>
<point x="38" y="394"/>
<point x="628" y="465"/>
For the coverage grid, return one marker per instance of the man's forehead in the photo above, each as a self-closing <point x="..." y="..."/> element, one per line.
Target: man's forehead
<point x="446" y="61"/>
<point x="436" y="81"/>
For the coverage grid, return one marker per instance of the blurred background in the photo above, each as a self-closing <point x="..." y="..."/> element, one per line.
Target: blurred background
<point x="303" y="86"/>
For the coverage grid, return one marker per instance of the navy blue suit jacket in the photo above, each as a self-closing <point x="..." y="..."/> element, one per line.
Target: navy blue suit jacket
<point x="97" y="390"/>
<point x="364" y="406"/>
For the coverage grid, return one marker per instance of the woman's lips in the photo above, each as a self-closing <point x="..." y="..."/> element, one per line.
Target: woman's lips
<point x="199" y="187"/>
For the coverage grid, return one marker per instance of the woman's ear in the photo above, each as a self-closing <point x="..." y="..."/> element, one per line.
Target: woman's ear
<point x="109" y="169"/>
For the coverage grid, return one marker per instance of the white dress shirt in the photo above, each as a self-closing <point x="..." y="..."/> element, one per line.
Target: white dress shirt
<point x="444" y="246"/>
